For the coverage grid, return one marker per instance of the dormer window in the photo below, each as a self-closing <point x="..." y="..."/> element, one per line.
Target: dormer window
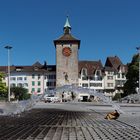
<point x="84" y="74"/>
<point x="18" y="69"/>
<point x="98" y="75"/>
<point x="36" y="68"/>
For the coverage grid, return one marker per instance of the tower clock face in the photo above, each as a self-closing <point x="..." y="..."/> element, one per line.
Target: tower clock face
<point x="66" y="51"/>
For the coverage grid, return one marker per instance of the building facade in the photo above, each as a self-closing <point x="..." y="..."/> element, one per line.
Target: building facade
<point x="36" y="78"/>
<point x="115" y="76"/>
<point x="67" y="48"/>
<point x="91" y="75"/>
<point x="69" y="70"/>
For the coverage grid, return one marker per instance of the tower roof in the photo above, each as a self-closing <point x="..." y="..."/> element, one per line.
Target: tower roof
<point x="67" y="37"/>
<point x="67" y="24"/>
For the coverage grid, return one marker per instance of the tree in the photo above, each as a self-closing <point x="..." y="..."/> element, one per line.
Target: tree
<point x="132" y="76"/>
<point x="3" y="88"/>
<point x="117" y="97"/>
<point x="20" y="93"/>
<point x="72" y="96"/>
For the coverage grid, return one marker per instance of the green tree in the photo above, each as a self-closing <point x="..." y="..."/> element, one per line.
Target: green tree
<point x="73" y="96"/>
<point x="132" y="76"/>
<point x="3" y="88"/>
<point x="117" y="96"/>
<point x="20" y="93"/>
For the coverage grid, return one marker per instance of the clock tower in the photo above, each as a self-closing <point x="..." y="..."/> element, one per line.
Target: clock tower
<point x="67" y="48"/>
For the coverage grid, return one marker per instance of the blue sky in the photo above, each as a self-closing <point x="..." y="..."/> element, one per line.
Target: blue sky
<point x="105" y="28"/>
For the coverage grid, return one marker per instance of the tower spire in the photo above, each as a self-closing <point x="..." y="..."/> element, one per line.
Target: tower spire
<point x="67" y="27"/>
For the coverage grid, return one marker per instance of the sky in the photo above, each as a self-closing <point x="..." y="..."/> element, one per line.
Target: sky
<point x="105" y="28"/>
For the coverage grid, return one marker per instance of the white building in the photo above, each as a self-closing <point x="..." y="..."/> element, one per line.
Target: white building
<point x="36" y="78"/>
<point x="115" y="76"/>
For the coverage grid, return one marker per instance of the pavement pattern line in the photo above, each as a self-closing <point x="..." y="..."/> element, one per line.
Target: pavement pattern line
<point x="57" y="124"/>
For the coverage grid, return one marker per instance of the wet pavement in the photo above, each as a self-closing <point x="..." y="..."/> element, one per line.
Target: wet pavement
<point x="70" y="121"/>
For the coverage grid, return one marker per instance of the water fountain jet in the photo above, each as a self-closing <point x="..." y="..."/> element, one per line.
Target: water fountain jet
<point x="79" y="90"/>
<point x="14" y="108"/>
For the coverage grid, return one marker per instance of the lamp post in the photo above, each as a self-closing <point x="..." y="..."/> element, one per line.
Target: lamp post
<point x="138" y="48"/>
<point x="8" y="49"/>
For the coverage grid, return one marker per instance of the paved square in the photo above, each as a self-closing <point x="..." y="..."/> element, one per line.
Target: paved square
<point x="69" y="121"/>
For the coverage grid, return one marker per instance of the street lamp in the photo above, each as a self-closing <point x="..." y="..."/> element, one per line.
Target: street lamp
<point x="8" y="49"/>
<point x="138" y="48"/>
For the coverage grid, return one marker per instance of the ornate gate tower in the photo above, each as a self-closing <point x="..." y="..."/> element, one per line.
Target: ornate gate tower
<point x="67" y="58"/>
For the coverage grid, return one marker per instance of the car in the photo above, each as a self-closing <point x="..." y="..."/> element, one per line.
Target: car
<point x="48" y="100"/>
<point x="51" y="98"/>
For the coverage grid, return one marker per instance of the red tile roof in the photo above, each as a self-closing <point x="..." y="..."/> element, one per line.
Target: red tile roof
<point x="91" y="66"/>
<point x="37" y="67"/>
<point x="114" y="64"/>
